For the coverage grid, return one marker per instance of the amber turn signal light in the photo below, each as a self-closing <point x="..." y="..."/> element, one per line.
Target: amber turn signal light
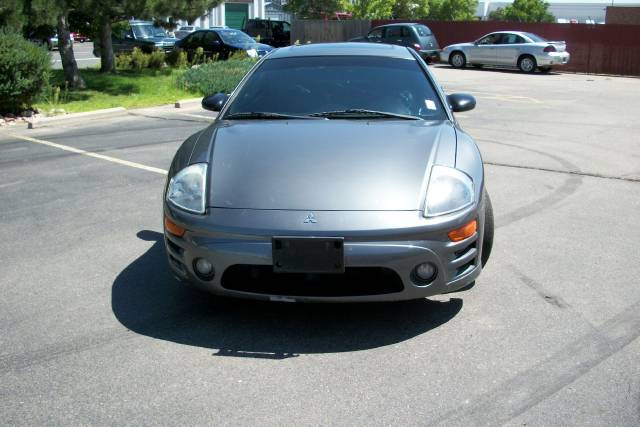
<point x="173" y="228"/>
<point x="463" y="232"/>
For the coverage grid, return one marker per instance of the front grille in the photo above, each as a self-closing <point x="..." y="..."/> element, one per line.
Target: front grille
<point x="355" y="281"/>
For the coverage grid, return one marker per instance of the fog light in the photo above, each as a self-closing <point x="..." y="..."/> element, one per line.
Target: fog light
<point x="203" y="268"/>
<point x="424" y="273"/>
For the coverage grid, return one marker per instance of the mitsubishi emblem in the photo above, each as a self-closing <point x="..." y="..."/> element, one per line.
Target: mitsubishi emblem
<point x="310" y="219"/>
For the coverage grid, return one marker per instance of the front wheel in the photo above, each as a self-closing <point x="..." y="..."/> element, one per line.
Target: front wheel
<point x="487" y="240"/>
<point x="457" y="60"/>
<point x="527" y="64"/>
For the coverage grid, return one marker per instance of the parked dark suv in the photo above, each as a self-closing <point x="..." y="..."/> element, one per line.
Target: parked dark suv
<point x="416" y="36"/>
<point x="274" y="33"/>
<point x="141" y="34"/>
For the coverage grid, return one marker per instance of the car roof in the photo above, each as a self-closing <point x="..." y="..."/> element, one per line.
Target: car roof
<point x="509" y="32"/>
<point x="406" y="24"/>
<point x="343" y="49"/>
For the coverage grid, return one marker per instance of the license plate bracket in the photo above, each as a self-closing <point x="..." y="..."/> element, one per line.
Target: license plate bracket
<point x="308" y="254"/>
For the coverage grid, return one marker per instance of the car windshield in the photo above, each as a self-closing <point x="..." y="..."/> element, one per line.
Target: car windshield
<point x="145" y="31"/>
<point x="535" y="37"/>
<point x="235" y="37"/>
<point x="302" y="86"/>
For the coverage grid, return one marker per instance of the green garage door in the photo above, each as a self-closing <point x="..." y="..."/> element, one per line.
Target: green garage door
<point x="235" y="15"/>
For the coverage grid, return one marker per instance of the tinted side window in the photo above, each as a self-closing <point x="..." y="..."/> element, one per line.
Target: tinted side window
<point x="490" y="39"/>
<point x="194" y="40"/>
<point x="511" y="39"/>
<point x="406" y="33"/>
<point x="209" y="38"/>
<point x="393" y="33"/>
<point x="376" y="34"/>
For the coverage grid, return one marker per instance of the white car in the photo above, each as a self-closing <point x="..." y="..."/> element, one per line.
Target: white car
<point x="184" y="31"/>
<point x="526" y="51"/>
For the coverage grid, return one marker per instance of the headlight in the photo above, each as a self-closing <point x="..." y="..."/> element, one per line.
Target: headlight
<point x="449" y="190"/>
<point x="187" y="188"/>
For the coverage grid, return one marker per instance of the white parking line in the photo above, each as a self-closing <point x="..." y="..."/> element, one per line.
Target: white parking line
<point x="199" y="116"/>
<point x="90" y="154"/>
<point x="11" y="184"/>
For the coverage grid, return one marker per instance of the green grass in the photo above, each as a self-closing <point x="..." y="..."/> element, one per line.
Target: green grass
<point x="129" y="89"/>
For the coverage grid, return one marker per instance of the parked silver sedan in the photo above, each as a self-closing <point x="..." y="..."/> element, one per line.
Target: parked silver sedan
<point x="526" y="51"/>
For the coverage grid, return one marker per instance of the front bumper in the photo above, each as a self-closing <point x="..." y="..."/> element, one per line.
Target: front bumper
<point x="430" y="55"/>
<point x="553" y="58"/>
<point x="377" y="243"/>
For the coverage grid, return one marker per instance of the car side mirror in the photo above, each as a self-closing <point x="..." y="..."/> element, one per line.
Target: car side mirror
<point x="459" y="102"/>
<point x="214" y="102"/>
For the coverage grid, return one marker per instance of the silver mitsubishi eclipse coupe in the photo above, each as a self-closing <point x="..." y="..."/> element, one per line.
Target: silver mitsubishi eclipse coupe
<point x="333" y="172"/>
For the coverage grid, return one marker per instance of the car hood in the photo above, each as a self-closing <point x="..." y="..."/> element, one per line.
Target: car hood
<point x="247" y="46"/>
<point x="459" y="45"/>
<point x="163" y="40"/>
<point x="325" y="164"/>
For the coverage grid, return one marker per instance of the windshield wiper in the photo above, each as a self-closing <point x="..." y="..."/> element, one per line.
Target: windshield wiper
<point x="264" y="115"/>
<point x="359" y="112"/>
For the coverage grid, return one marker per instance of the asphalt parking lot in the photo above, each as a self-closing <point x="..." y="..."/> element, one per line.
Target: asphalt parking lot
<point x="94" y="330"/>
<point x="83" y="53"/>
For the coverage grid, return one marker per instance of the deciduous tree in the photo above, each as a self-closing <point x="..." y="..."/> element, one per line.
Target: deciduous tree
<point x="372" y="9"/>
<point x="315" y="9"/>
<point x="411" y="9"/>
<point x="453" y="10"/>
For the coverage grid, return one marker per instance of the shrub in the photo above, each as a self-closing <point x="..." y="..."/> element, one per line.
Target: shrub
<point x="24" y="71"/>
<point x="218" y="76"/>
<point x="177" y="58"/>
<point x="123" y="61"/>
<point x="239" y="54"/>
<point x="198" y="56"/>
<point x="139" y="59"/>
<point x="54" y="97"/>
<point x="156" y="59"/>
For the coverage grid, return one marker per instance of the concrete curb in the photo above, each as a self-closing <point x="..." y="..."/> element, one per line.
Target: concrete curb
<point x="184" y="102"/>
<point x="54" y="119"/>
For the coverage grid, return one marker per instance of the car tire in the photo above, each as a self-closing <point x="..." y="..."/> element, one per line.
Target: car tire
<point x="527" y="64"/>
<point x="487" y="238"/>
<point x="544" y="69"/>
<point x="457" y="60"/>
